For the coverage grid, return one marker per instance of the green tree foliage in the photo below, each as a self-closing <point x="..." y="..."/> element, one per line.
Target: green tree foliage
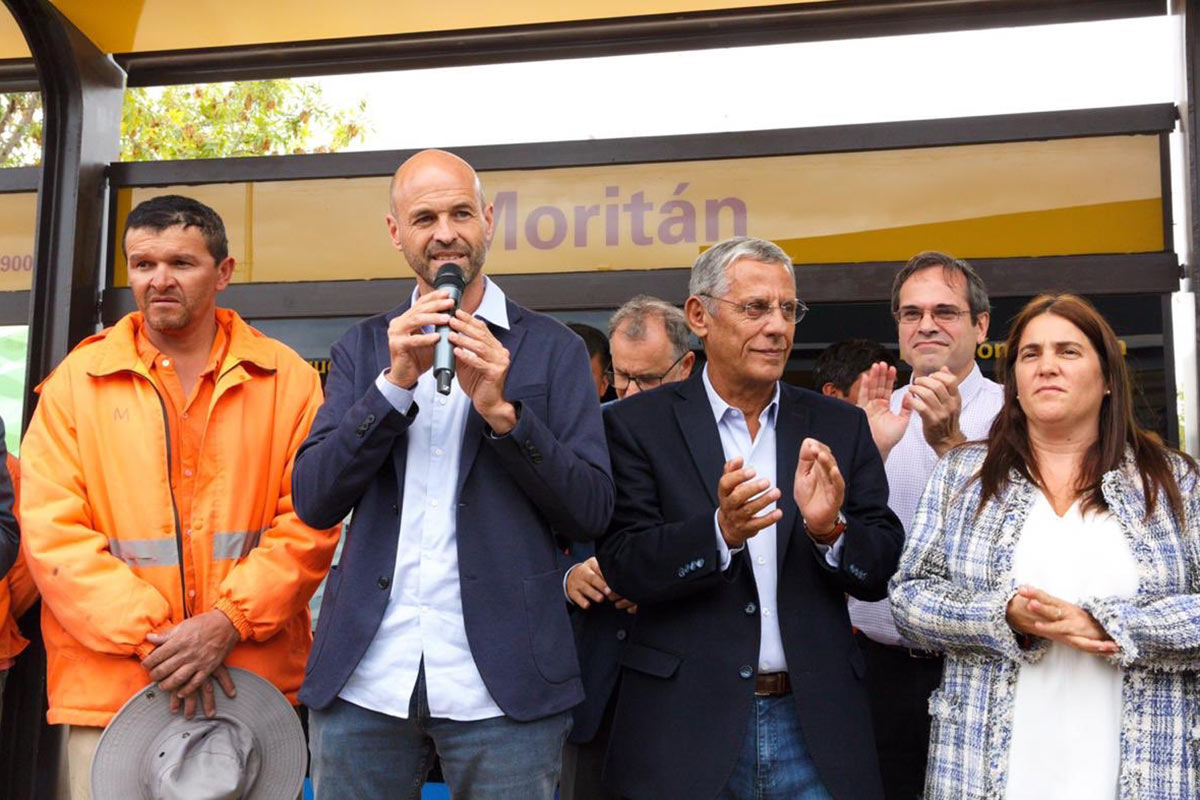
<point x="20" y="129"/>
<point x="218" y="120"/>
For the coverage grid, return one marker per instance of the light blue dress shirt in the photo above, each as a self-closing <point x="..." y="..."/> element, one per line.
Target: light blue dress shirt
<point x="759" y="453"/>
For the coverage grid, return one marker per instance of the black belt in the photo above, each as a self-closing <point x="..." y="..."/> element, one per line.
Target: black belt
<point x="910" y="652"/>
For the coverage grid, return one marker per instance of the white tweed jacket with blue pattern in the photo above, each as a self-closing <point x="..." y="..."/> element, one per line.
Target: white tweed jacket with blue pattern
<point x="950" y="593"/>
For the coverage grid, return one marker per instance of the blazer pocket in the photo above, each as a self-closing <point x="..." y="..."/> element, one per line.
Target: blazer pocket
<point x="649" y="660"/>
<point x="551" y="640"/>
<point x="328" y="602"/>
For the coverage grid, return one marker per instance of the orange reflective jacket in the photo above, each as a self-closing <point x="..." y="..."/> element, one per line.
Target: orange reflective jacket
<point x="103" y="539"/>
<point x="17" y="592"/>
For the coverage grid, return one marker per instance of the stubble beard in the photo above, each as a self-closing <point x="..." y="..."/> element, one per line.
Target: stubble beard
<point x="165" y="321"/>
<point x="424" y="267"/>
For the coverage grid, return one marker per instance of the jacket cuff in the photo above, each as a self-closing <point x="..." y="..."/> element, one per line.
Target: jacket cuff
<point x="235" y="616"/>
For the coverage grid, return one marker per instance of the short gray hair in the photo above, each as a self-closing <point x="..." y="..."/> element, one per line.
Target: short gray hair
<point x="634" y="313"/>
<point x="710" y="273"/>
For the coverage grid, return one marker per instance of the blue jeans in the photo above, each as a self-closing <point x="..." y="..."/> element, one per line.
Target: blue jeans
<point x="358" y="753"/>
<point x="774" y="763"/>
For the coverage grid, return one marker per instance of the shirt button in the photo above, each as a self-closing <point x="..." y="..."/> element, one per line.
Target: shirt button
<point x="747" y="672"/>
<point x="766" y="612"/>
<point x="184" y="415"/>
<point x="192" y="593"/>
<point x="187" y="472"/>
<point x="766" y="665"/>
<point x="433" y="502"/>
<point x="166" y="362"/>
<point x="437" y="451"/>
<point x="621" y="634"/>
<point x="188" y="532"/>
<point x="761" y="560"/>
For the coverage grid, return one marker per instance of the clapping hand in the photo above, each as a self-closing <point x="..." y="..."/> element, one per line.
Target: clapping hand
<point x="481" y="365"/>
<point x="935" y="397"/>
<point x="742" y="497"/>
<point x="875" y="398"/>
<point x="819" y="490"/>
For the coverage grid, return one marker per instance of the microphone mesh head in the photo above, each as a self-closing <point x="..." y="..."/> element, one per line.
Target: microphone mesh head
<point x="449" y="275"/>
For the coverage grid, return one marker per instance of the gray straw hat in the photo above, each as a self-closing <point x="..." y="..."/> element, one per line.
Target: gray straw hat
<point x="253" y="749"/>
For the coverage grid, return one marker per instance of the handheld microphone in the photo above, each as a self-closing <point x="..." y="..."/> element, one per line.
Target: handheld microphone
<point x="450" y="278"/>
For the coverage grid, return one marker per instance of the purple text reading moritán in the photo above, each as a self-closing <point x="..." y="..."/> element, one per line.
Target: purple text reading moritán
<point x="676" y="221"/>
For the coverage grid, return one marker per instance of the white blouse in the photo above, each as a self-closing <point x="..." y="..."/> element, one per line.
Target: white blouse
<point x="1067" y="709"/>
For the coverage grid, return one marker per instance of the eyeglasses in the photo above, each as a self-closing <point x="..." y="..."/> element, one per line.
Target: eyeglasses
<point x="621" y="381"/>
<point x="792" y="310"/>
<point x="945" y="315"/>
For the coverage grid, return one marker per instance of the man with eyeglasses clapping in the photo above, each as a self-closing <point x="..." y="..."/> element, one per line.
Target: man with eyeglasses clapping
<point x="746" y="509"/>
<point x="941" y="309"/>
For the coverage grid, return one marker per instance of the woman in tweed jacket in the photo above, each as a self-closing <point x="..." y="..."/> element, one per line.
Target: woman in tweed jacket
<point x="1065" y="435"/>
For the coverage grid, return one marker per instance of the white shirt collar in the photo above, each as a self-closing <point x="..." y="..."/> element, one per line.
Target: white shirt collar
<point x="493" y="307"/>
<point x="720" y="407"/>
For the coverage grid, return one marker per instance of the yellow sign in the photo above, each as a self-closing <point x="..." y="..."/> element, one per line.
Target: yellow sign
<point x="1067" y="197"/>
<point x="18" y="218"/>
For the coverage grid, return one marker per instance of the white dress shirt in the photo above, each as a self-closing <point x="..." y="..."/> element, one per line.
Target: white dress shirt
<point x="760" y="454"/>
<point x="424" y="616"/>
<point x="908" y="468"/>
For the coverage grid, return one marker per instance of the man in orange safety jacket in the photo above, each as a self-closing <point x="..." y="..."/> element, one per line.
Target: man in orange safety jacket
<point x="156" y="507"/>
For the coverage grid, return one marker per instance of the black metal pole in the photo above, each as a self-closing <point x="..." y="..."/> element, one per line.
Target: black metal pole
<point x="82" y="92"/>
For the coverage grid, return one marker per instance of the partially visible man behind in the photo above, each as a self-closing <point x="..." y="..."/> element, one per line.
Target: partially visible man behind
<point x="156" y="505"/>
<point x="841" y="367"/>
<point x="651" y="345"/>
<point x="746" y="510"/>
<point x="444" y="627"/>
<point x="942" y="312"/>
<point x="17" y="593"/>
<point x="598" y="356"/>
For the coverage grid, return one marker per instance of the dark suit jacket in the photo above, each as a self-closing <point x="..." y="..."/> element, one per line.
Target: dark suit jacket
<point x="10" y="532"/>
<point x="600" y="632"/>
<point x="688" y="669"/>
<point x="549" y="476"/>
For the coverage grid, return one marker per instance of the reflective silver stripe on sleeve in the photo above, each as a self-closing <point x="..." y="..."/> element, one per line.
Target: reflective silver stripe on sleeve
<point x="233" y="545"/>
<point x="145" y="552"/>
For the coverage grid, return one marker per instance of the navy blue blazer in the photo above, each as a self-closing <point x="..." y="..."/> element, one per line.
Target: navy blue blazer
<point x="549" y="476"/>
<point x="688" y="669"/>
<point x="600" y="631"/>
